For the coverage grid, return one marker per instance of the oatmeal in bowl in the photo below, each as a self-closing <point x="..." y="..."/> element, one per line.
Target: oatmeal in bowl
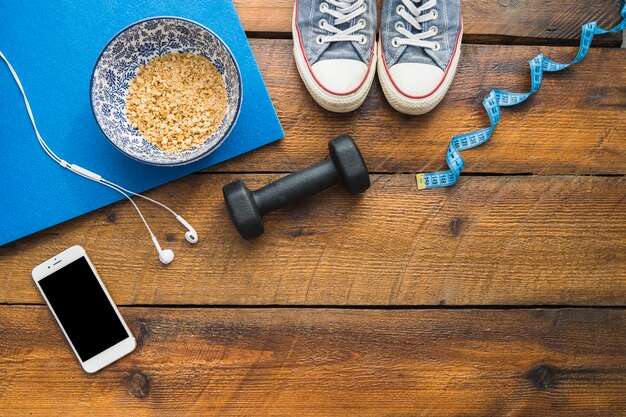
<point x="166" y="91"/>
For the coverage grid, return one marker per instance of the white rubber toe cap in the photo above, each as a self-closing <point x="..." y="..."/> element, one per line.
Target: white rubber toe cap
<point x="339" y="76"/>
<point x="416" y="80"/>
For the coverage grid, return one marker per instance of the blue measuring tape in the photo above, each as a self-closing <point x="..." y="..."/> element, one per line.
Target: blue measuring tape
<point x="498" y="98"/>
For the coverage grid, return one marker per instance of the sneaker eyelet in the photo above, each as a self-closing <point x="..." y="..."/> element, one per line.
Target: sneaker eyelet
<point x="363" y="40"/>
<point x="434" y="30"/>
<point x="321" y="23"/>
<point x="364" y="7"/>
<point x="362" y="23"/>
<point x="400" y="9"/>
<point x="435" y="14"/>
<point x="399" y="25"/>
<point x="323" y="7"/>
<point x="395" y="42"/>
<point x="437" y="46"/>
<point x="319" y="40"/>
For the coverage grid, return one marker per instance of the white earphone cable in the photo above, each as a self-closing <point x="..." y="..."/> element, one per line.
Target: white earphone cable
<point x="75" y="168"/>
<point x="122" y="191"/>
<point x="158" y="203"/>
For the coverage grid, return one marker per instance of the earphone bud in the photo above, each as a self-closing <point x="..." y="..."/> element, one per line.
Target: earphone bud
<point x="190" y="235"/>
<point x="165" y="256"/>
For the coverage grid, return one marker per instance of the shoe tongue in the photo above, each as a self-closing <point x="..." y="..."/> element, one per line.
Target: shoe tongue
<point x="340" y="50"/>
<point x="416" y="55"/>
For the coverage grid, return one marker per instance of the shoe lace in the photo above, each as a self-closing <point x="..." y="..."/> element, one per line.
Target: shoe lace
<point x="345" y="11"/>
<point x="412" y="14"/>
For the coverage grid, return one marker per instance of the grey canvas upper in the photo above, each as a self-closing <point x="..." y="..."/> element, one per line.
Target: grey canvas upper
<point x="310" y="16"/>
<point x="446" y="28"/>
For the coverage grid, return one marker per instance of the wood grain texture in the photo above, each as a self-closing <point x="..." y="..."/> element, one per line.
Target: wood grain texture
<point x="303" y="362"/>
<point x="573" y="125"/>
<point x="502" y="21"/>
<point x="489" y="240"/>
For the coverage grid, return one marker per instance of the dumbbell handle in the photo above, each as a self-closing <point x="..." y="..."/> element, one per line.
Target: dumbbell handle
<point x="295" y="186"/>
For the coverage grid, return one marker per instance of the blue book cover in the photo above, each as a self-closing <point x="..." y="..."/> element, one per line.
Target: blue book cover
<point x="53" y="46"/>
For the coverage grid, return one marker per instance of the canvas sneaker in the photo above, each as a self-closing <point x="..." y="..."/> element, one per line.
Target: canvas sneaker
<point x="420" y="46"/>
<point x="334" y="44"/>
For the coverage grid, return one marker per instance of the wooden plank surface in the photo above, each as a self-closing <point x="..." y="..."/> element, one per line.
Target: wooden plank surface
<point x="502" y="21"/>
<point x="517" y="240"/>
<point x="489" y="240"/>
<point x="319" y="362"/>
<point x="574" y="125"/>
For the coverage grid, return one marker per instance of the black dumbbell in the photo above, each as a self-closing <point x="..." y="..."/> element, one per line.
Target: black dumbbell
<point x="345" y="166"/>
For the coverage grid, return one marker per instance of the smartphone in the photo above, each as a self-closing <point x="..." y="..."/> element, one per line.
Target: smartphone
<point x="83" y="308"/>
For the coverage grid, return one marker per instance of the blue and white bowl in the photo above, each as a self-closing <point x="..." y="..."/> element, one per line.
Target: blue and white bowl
<point x="134" y="47"/>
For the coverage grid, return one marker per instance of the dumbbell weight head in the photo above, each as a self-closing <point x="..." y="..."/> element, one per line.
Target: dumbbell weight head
<point x="345" y="165"/>
<point x="350" y="165"/>
<point x="242" y="209"/>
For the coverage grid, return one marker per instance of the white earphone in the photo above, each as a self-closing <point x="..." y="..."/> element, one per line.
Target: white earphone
<point x="165" y="255"/>
<point x="190" y="235"/>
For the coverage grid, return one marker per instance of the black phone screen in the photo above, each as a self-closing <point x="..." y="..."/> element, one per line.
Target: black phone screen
<point x="83" y="309"/>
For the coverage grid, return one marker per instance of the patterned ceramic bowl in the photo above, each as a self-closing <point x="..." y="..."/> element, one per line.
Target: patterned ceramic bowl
<point x="119" y="63"/>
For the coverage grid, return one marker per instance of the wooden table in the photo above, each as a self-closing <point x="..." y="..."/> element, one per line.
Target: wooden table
<point x="503" y="295"/>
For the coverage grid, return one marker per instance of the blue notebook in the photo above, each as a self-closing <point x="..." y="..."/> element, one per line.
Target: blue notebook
<point x="53" y="47"/>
